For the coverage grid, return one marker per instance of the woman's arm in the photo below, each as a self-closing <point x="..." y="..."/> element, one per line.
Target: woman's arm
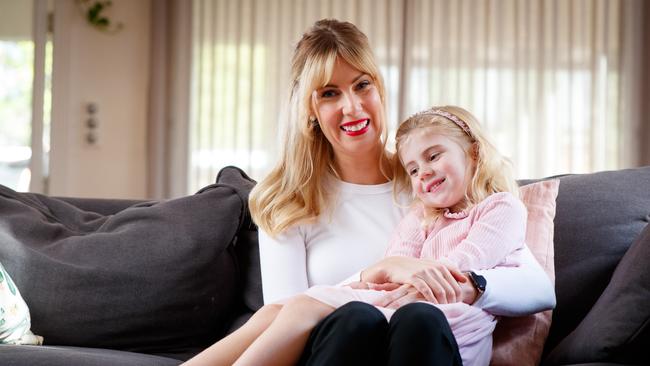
<point x="517" y="291"/>
<point x="510" y="291"/>
<point x="283" y="265"/>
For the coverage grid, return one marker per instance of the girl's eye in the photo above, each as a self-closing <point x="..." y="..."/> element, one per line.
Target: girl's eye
<point x="434" y="156"/>
<point x="413" y="172"/>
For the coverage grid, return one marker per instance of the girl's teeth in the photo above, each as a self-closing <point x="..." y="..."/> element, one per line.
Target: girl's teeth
<point x="434" y="187"/>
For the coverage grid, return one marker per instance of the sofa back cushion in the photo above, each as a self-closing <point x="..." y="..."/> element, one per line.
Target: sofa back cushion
<point x="246" y="248"/>
<point x="598" y="216"/>
<point x="156" y="277"/>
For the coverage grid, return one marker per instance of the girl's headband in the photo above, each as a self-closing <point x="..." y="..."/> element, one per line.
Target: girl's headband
<point x="452" y="117"/>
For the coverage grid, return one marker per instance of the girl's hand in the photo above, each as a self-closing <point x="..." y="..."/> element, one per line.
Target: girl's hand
<point x="388" y="286"/>
<point x="437" y="281"/>
<point x="358" y="285"/>
<point x="399" y="297"/>
<point x="373" y="286"/>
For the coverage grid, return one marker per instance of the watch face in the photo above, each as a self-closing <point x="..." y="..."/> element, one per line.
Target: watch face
<point x="478" y="281"/>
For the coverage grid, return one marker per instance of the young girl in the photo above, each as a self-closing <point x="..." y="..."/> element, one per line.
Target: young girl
<point x="465" y="211"/>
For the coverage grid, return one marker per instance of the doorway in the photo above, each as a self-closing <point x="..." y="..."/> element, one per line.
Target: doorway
<point x="26" y="50"/>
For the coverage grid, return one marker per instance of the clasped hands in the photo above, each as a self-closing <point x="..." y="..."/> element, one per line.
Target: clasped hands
<point x="408" y="280"/>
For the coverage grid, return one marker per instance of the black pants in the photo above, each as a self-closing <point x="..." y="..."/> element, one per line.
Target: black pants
<point x="358" y="334"/>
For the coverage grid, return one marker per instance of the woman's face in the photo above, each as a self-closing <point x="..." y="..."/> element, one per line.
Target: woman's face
<point x="349" y="111"/>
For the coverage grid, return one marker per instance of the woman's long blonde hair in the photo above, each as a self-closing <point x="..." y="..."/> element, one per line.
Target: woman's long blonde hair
<point x="493" y="172"/>
<point x="293" y="191"/>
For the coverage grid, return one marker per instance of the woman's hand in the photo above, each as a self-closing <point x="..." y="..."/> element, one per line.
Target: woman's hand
<point x="438" y="281"/>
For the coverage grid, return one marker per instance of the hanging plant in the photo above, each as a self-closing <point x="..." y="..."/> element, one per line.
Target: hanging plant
<point x="94" y="13"/>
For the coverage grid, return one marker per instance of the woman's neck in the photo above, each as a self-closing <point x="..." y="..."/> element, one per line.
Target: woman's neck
<point x="362" y="169"/>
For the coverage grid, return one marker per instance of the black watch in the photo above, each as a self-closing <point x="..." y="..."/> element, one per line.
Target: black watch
<point x="479" y="282"/>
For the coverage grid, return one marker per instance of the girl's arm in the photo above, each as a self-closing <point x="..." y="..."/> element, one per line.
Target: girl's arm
<point x="283" y="265"/>
<point x="498" y="228"/>
<point x="511" y="290"/>
<point x="407" y="240"/>
<point x="408" y="237"/>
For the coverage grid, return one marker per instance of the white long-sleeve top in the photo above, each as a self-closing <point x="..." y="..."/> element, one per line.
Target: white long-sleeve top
<point x="355" y="234"/>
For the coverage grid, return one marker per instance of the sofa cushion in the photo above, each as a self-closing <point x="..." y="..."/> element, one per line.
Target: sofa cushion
<point x="598" y="217"/>
<point x="618" y="326"/>
<point x="71" y="356"/>
<point x="157" y="277"/>
<point x="520" y="340"/>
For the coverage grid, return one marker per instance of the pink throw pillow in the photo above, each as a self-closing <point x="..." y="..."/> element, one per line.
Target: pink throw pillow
<point x="520" y="340"/>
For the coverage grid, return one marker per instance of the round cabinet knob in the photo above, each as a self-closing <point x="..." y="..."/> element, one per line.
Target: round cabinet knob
<point x="91" y="108"/>
<point x="91" y="138"/>
<point x="91" y="123"/>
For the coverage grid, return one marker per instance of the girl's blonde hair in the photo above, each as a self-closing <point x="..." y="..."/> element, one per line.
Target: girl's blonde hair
<point x="493" y="172"/>
<point x="293" y="191"/>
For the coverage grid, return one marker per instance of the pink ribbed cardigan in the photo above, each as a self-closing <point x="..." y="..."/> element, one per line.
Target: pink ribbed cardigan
<point x="478" y="239"/>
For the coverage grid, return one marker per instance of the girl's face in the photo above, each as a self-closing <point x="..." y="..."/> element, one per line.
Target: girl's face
<point x="439" y="168"/>
<point x="349" y="112"/>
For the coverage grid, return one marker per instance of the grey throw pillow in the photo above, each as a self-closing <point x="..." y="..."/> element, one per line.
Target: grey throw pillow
<point x="598" y="217"/>
<point x="617" y="328"/>
<point x="156" y="277"/>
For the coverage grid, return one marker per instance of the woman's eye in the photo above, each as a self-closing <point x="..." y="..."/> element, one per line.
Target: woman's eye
<point x="433" y="157"/>
<point x="413" y="172"/>
<point x="363" y="84"/>
<point x="328" y="93"/>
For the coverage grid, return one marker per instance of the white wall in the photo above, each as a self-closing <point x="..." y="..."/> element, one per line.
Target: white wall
<point x="111" y="70"/>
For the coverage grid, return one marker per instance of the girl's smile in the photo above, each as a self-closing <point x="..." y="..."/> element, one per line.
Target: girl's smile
<point x="433" y="186"/>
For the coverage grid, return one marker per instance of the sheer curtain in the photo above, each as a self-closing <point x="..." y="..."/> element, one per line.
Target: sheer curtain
<point x="241" y="61"/>
<point x="544" y="76"/>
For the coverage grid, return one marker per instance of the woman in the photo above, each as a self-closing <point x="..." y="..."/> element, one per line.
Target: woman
<point x="327" y="210"/>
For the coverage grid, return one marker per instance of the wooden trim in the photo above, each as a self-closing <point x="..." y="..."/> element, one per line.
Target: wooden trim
<point x="60" y="127"/>
<point x="37" y="183"/>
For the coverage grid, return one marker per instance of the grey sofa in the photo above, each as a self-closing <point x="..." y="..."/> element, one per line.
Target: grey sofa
<point x="115" y="282"/>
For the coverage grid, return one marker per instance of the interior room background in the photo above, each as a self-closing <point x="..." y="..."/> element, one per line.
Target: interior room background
<point x="178" y="89"/>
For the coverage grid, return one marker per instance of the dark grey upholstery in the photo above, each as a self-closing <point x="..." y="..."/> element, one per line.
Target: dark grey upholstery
<point x="67" y="356"/>
<point x="209" y="252"/>
<point x="154" y="277"/>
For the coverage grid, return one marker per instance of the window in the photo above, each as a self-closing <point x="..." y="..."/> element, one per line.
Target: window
<point x="25" y="99"/>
